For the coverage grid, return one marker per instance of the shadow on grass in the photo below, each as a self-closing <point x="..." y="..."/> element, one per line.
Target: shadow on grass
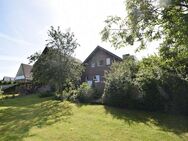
<point x="172" y="123"/>
<point x="16" y="119"/>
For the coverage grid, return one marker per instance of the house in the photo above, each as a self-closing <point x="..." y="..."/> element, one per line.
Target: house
<point x="96" y="64"/>
<point x="24" y="73"/>
<point x="8" y="79"/>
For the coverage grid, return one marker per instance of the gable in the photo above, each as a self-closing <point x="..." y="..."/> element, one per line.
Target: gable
<point x="101" y="53"/>
<point x="24" y="72"/>
<point x="27" y="71"/>
<point x="20" y="73"/>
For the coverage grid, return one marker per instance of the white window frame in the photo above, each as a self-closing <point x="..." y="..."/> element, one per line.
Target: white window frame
<point x="92" y="64"/>
<point x="96" y="78"/>
<point x="108" y="61"/>
<point x="100" y="62"/>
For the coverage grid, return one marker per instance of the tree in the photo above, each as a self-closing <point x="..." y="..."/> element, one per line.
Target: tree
<point x="162" y="79"/>
<point x="149" y="20"/>
<point x="56" y="66"/>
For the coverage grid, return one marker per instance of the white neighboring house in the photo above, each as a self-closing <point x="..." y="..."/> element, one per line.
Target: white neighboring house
<point x="24" y="73"/>
<point x="8" y="79"/>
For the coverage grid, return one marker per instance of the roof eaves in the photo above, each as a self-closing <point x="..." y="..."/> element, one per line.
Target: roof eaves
<point x="99" y="47"/>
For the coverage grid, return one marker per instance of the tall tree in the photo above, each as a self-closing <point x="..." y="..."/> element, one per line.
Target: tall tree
<point x="55" y="65"/>
<point x="149" y="20"/>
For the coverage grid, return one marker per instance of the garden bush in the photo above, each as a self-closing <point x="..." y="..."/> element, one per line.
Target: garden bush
<point x="151" y="84"/>
<point x="85" y="93"/>
<point x="120" y="89"/>
<point x="162" y="88"/>
<point x="46" y="94"/>
<point x="177" y="89"/>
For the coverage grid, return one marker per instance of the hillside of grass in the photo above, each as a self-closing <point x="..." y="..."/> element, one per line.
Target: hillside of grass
<point x="31" y="118"/>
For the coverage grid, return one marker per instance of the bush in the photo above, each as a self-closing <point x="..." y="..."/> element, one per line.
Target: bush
<point x="97" y="93"/>
<point x="46" y="94"/>
<point x="162" y="90"/>
<point x="85" y="93"/>
<point x="177" y="89"/>
<point x="148" y="79"/>
<point x="153" y="84"/>
<point x="120" y="89"/>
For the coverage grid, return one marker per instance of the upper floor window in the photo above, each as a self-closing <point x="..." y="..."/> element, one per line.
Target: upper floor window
<point x="107" y="61"/>
<point x="101" y="63"/>
<point x="92" y="64"/>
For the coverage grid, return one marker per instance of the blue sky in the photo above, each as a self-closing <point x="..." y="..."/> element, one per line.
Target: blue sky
<point x="24" y="25"/>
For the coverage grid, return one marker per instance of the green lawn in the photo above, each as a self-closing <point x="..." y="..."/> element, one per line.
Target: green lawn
<point x="31" y="118"/>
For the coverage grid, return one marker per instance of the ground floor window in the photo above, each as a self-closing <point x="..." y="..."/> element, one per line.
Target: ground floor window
<point x="96" y="78"/>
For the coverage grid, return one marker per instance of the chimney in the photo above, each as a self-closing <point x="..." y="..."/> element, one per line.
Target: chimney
<point x="125" y="56"/>
<point x="128" y="56"/>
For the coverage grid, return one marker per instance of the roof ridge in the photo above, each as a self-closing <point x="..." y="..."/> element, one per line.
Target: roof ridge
<point x="26" y="64"/>
<point x="99" y="47"/>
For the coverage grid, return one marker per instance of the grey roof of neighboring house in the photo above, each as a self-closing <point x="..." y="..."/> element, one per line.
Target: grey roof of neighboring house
<point x="46" y="49"/>
<point x="101" y="48"/>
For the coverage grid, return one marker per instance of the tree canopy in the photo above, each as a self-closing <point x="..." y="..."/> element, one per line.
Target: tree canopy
<point x="149" y="20"/>
<point x="56" y="65"/>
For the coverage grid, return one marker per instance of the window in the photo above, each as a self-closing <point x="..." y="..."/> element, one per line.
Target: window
<point x="92" y="64"/>
<point x="107" y="61"/>
<point x="86" y="78"/>
<point x="86" y="64"/>
<point x="96" y="78"/>
<point x="100" y="63"/>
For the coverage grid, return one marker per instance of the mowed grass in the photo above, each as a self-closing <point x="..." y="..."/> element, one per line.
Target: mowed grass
<point x="30" y="118"/>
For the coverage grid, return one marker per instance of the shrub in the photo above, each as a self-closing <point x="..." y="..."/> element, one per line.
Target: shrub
<point x="177" y="89"/>
<point x="162" y="88"/>
<point x="97" y="93"/>
<point x="46" y="94"/>
<point x="64" y="95"/>
<point x="85" y="93"/>
<point x="120" y="89"/>
<point x="148" y="79"/>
